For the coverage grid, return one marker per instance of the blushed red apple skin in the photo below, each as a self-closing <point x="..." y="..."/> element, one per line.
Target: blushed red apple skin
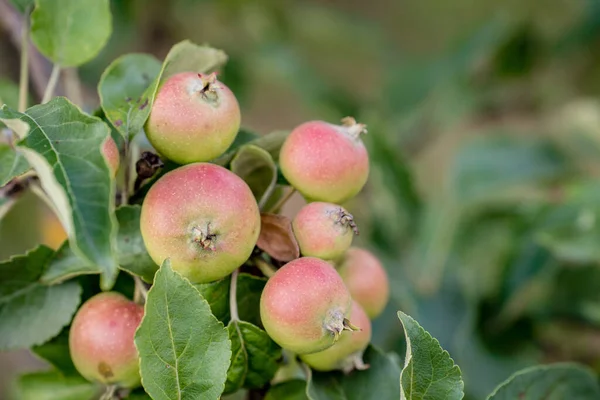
<point x="299" y="300"/>
<point x="206" y="197"/>
<point x="101" y="340"/>
<point x="324" y="162"/>
<point x="351" y="344"/>
<point x="186" y="126"/>
<point x="320" y="232"/>
<point x="366" y="280"/>
<point x="110" y="151"/>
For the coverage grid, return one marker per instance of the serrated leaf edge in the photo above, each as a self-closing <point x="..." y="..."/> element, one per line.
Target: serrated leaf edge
<point x="408" y="357"/>
<point x="166" y="264"/>
<point x="525" y="371"/>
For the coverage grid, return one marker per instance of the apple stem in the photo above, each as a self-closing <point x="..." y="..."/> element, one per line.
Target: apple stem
<point x="24" y="73"/>
<point x="233" y="306"/>
<point x="282" y="201"/>
<point x="52" y="81"/>
<point x="109" y="393"/>
<point x="127" y="164"/>
<point x="264" y="267"/>
<point x="307" y="371"/>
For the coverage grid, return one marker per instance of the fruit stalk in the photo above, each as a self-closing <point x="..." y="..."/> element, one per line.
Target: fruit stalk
<point x="233" y="306"/>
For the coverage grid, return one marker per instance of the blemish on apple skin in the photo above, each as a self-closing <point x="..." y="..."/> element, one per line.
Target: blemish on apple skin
<point x="105" y="370"/>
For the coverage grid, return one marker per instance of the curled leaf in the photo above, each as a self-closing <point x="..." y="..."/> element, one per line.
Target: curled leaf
<point x="277" y="238"/>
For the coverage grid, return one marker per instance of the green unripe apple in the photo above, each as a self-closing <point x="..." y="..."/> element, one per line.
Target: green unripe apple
<point x="366" y="279"/>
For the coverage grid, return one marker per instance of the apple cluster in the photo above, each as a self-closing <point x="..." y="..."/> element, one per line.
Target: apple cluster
<point x="206" y="221"/>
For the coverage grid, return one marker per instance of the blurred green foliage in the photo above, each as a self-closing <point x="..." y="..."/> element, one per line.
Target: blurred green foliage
<point x="484" y="135"/>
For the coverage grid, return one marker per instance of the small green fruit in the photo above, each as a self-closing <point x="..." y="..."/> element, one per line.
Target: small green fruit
<point x="324" y="230"/>
<point x="346" y="354"/>
<point x="204" y="218"/>
<point x="101" y="340"/>
<point x="194" y="118"/>
<point x="366" y="280"/>
<point x="305" y="305"/>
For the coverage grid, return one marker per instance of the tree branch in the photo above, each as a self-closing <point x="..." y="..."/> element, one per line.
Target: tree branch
<point x="39" y="67"/>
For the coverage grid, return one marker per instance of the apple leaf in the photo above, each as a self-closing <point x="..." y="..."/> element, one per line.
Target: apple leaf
<point x="52" y="385"/>
<point x="378" y="382"/>
<point x="429" y="372"/>
<point x="32" y="313"/>
<point x="71" y="32"/>
<point x="12" y="164"/>
<point x="557" y="381"/>
<point x="254" y="357"/>
<point x="277" y="238"/>
<point x="257" y="168"/>
<point x="184" y="350"/>
<point x="294" y="389"/>
<point x="122" y="91"/>
<point x="63" y="145"/>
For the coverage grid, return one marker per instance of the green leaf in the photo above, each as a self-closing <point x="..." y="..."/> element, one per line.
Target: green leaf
<point x="32" y="313"/>
<point x="138" y="394"/>
<point x="254" y="357"/>
<point x="122" y="91"/>
<point x="289" y="390"/>
<point x="271" y="143"/>
<point x="217" y="296"/>
<point x="429" y="372"/>
<point x="56" y="352"/>
<point x="256" y="167"/>
<point x="6" y="204"/>
<point x="54" y="386"/>
<point x="378" y="382"/>
<point x="242" y="138"/>
<point x="249" y="289"/>
<point x="63" y="146"/>
<point x="12" y="164"/>
<point x="65" y="264"/>
<point x="71" y="32"/>
<point x="184" y="350"/>
<point x="132" y="253"/>
<point x="550" y="382"/>
<point x="187" y="56"/>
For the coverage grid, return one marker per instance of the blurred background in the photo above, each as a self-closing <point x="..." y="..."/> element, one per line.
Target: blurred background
<point x="484" y="136"/>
